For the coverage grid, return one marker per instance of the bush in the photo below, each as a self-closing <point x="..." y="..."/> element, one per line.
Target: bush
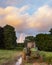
<point x="19" y="48"/>
<point x="20" y="45"/>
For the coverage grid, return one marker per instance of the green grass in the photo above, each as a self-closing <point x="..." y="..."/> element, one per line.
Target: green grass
<point x="6" y="55"/>
<point x="47" y="56"/>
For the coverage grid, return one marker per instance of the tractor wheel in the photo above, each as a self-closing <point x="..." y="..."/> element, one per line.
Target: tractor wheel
<point x="27" y="58"/>
<point x="41" y="59"/>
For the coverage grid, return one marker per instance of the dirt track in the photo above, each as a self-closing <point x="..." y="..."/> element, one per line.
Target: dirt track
<point x="12" y="62"/>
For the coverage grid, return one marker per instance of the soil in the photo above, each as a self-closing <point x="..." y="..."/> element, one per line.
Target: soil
<point x="43" y="63"/>
<point x="12" y="62"/>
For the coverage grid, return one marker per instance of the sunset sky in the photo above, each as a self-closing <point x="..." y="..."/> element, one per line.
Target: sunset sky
<point x="29" y="17"/>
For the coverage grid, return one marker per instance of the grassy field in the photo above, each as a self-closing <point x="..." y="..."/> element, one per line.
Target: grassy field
<point x="47" y="56"/>
<point x="7" y="55"/>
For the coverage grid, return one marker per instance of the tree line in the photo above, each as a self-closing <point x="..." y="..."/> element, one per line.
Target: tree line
<point x="43" y="41"/>
<point x="7" y="37"/>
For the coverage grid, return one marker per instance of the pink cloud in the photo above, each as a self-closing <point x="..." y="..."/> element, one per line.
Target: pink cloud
<point x="40" y="20"/>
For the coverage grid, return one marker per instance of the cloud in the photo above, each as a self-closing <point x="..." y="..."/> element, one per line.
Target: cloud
<point x="12" y="2"/>
<point x="39" y="21"/>
<point x="12" y="15"/>
<point x="21" y="38"/>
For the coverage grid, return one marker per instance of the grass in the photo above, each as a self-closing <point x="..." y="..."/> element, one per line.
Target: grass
<point x="47" y="56"/>
<point x="7" y="55"/>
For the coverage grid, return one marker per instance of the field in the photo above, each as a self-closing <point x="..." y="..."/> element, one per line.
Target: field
<point x="8" y="55"/>
<point x="47" y="56"/>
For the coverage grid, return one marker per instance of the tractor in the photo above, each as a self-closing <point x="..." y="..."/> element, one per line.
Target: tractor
<point x="31" y="52"/>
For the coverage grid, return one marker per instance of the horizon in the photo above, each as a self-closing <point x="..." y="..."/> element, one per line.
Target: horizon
<point x="28" y="17"/>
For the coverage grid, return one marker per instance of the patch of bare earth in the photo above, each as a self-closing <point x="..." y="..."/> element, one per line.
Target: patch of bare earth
<point x="43" y="63"/>
<point x="11" y="62"/>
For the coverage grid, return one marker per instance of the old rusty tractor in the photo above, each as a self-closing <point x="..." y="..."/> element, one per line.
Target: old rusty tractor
<point x="31" y="52"/>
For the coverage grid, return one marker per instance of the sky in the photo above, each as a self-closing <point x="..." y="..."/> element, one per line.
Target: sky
<point x="29" y="17"/>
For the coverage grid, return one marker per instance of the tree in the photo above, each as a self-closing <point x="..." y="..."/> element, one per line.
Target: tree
<point x="9" y="37"/>
<point x="1" y="38"/>
<point x="50" y="31"/>
<point x="44" y="42"/>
